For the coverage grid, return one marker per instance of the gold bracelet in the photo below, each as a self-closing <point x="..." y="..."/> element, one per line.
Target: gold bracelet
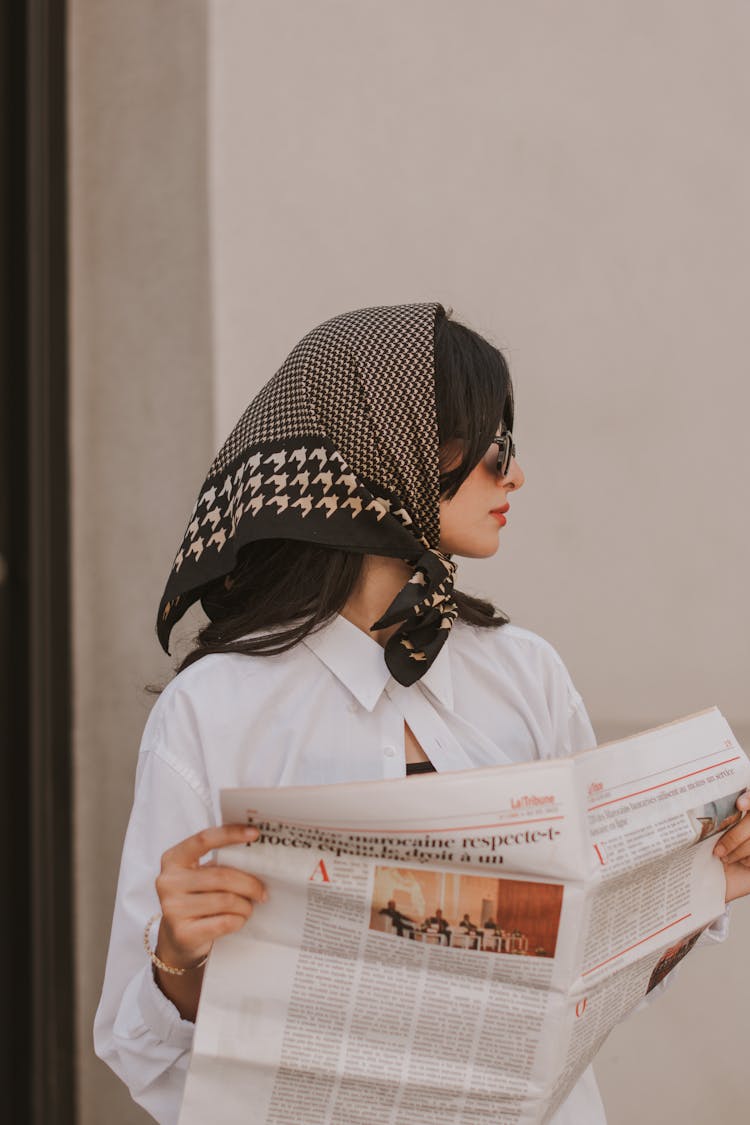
<point x="157" y="960"/>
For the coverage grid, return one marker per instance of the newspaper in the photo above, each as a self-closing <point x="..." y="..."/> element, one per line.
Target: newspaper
<point x="457" y="947"/>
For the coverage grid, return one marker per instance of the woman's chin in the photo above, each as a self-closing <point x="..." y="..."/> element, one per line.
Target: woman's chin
<point x="474" y="547"/>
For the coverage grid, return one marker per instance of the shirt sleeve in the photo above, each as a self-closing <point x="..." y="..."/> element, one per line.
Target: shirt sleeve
<point x="138" y="1032"/>
<point x="570" y="720"/>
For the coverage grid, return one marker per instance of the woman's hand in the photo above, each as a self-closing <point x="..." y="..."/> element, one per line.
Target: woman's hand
<point x="200" y="902"/>
<point x="733" y="849"/>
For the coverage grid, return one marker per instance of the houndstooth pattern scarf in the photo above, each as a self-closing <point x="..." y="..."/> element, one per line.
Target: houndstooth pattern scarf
<point x="340" y="448"/>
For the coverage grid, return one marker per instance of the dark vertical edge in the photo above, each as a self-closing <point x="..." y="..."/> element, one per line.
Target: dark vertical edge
<point x="49" y="666"/>
<point x="15" y="949"/>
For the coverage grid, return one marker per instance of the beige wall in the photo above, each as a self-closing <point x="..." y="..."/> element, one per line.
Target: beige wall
<point x="573" y="179"/>
<point x="141" y="417"/>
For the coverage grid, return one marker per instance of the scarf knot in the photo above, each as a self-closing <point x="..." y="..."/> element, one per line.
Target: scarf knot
<point x="427" y="609"/>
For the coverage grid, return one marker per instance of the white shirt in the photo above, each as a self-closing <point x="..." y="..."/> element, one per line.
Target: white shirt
<point x="328" y="710"/>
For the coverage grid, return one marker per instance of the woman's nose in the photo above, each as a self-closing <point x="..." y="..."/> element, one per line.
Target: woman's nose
<point x="515" y="475"/>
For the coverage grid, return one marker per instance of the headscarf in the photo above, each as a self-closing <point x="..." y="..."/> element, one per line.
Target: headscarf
<point x="340" y="448"/>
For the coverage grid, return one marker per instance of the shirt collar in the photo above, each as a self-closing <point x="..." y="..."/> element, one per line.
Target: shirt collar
<point x="359" y="662"/>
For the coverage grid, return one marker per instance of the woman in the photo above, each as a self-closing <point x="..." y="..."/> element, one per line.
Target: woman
<point x="337" y="648"/>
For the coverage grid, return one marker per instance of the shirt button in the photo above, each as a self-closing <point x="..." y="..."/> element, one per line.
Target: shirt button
<point x="390" y="751"/>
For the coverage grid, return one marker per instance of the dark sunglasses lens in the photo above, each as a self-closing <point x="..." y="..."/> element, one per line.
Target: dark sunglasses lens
<point x="503" y="456"/>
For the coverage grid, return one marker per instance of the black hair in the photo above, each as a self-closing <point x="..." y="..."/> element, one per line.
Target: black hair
<point x="473" y="396"/>
<point x="285" y="588"/>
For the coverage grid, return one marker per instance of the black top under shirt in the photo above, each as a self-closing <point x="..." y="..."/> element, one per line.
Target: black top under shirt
<point x="419" y="767"/>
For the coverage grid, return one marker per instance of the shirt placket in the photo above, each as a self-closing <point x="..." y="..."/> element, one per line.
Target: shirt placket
<point x="430" y="730"/>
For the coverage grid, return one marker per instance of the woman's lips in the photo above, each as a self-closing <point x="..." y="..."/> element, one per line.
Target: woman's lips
<point x="499" y="513"/>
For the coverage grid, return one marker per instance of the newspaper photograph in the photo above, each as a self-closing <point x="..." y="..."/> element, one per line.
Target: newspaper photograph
<point x="458" y="948"/>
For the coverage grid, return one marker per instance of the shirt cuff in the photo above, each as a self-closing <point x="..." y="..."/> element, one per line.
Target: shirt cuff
<point x="160" y="1014"/>
<point x="718" y="930"/>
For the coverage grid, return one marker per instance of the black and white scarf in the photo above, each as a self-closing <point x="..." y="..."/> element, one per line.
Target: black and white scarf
<point x="340" y="448"/>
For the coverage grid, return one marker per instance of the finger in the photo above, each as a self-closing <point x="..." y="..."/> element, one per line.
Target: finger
<point x="733" y="838"/>
<point x="220" y="878"/>
<point x="742" y="851"/>
<point x="179" y="907"/>
<point x="194" y="880"/>
<point x="187" y="929"/>
<point x="188" y="939"/>
<point x="189" y="851"/>
<point x="215" y="902"/>
<point x="205" y="930"/>
<point x="177" y="881"/>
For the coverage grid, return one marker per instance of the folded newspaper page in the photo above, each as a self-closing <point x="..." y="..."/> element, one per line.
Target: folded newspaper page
<point x="458" y="947"/>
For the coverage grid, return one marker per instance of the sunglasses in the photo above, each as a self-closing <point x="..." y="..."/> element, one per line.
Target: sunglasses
<point x="506" y="451"/>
